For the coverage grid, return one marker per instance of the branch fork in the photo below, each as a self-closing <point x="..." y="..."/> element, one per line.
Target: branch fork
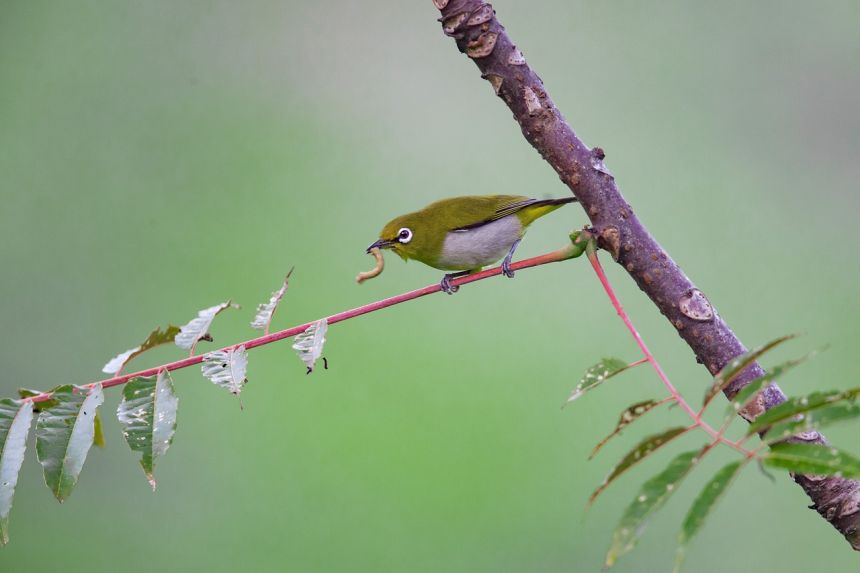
<point x="478" y="34"/>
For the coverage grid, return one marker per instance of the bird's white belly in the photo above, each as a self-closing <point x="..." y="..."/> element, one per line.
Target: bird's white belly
<point x="481" y="246"/>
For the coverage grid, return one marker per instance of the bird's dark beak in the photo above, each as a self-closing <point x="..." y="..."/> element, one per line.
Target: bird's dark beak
<point x="380" y="244"/>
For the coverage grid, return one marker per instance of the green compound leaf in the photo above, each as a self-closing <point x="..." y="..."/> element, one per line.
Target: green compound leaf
<point x="156" y="338"/>
<point x="750" y="393"/>
<point x="703" y="505"/>
<point x="596" y="375"/>
<point x="15" y="421"/>
<point x="64" y="435"/>
<point x="148" y="417"/>
<point x="812" y="420"/>
<point x="227" y="369"/>
<point x="651" y="497"/>
<point x="800" y="405"/>
<point x="814" y="459"/>
<point x="736" y="366"/>
<point x="645" y="448"/>
<point x="627" y="417"/>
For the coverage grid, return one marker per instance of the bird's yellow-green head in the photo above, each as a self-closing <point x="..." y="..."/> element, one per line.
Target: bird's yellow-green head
<point x="416" y="236"/>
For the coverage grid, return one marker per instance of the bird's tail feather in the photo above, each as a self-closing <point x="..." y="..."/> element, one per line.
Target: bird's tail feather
<point x="559" y="202"/>
<point x="541" y="207"/>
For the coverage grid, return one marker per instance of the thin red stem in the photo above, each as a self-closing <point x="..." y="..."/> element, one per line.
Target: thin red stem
<point x="553" y="257"/>
<point x="697" y="419"/>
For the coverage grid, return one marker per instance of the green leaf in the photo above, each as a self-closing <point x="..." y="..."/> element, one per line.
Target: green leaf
<point x="812" y="420"/>
<point x="156" y="338"/>
<point x="749" y="393"/>
<point x="64" y="435"/>
<point x="15" y="420"/>
<point x="596" y="375"/>
<point x="227" y="369"/>
<point x="736" y="366"/>
<point x="627" y="417"/>
<point x="651" y="497"/>
<point x="148" y="417"/>
<point x="309" y="344"/>
<point x="645" y="448"/>
<point x="703" y="505"/>
<point x="799" y="405"/>
<point x="814" y="459"/>
<point x="37" y="406"/>
<point x="198" y="329"/>
<point x="266" y="310"/>
<point x="98" y="433"/>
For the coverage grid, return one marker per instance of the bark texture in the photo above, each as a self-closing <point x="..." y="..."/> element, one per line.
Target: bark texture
<point x="478" y="34"/>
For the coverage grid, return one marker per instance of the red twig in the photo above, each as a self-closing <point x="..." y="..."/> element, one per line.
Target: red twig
<point x="675" y="395"/>
<point x="553" y="257"/>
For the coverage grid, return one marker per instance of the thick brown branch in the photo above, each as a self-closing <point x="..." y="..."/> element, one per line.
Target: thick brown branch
<point x="473" y="24"/>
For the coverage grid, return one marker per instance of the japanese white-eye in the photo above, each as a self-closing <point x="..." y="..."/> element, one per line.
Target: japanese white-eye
<point x="465" y="233"/>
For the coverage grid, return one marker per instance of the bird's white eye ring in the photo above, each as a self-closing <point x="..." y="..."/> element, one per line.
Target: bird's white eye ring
<point x="404" y="235"/>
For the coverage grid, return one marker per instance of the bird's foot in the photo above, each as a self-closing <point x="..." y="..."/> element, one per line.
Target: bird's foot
<point x="506" y="264"/>
<point x="446" y="285"/>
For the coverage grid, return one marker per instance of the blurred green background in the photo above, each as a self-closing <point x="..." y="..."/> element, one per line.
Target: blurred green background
<point x="160" y="157"/>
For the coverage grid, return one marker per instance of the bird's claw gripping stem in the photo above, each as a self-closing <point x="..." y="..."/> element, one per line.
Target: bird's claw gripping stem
<point x="446" y="285"/>
<point x="506" y="264"/>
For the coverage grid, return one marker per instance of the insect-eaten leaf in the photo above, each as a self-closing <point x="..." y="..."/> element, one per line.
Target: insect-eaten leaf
<point x="156" y="338"/>
<point x="198" y="329"/>
<point x="148" y="417"/>
<point x="15" y="420"/>
<point x="747" y="396"/>
<point x="596" y="375"/>
<point x="627" y="417"/>
<point x="64" y="435"/>
<point x="227" y="369"/>
<point x="309" y="344"/>
<point x="642" y="450"/>
<point x="799" y="405"/>
<point x="651" y="497"/>
<point x="817" y="459"/>
<point x="703" y="505"/>
<point x="735" y="367"/>
<point x="266" y="310"/>
<point x="38" y="406"/>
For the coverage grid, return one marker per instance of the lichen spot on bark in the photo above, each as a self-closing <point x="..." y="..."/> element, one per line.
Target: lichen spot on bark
<point x="531" y="99"/>
<point x="483" y="14"/>
<point x="482" y="46"/>
<point x="611" y="241"/>
<point x="694" y="304"/>
<point x="450" y="24"/>
<point x="516" y="57"/>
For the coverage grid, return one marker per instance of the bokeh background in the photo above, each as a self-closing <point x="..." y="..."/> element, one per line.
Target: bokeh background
<point x="160" y="157"/>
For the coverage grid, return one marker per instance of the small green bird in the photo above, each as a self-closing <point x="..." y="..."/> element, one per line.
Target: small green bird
<point x="465" y="233"/>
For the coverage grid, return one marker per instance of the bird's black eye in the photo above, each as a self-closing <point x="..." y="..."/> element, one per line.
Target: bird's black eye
<point x="404" y="235"/>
